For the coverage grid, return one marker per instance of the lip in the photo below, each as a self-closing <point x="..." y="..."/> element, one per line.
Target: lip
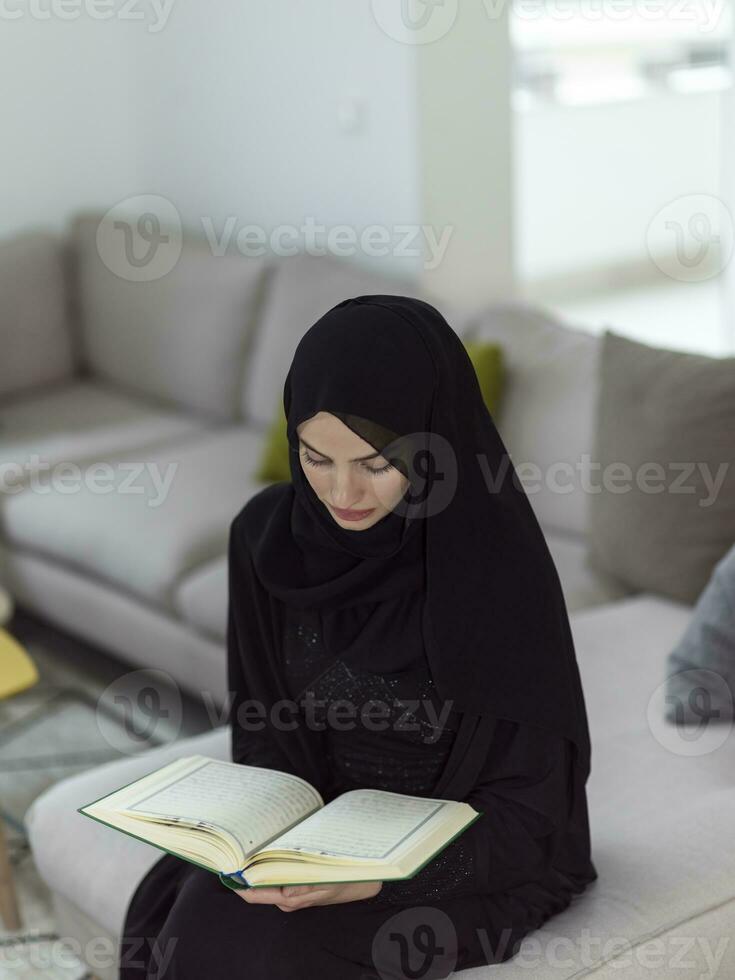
<point x="352" y="515"/>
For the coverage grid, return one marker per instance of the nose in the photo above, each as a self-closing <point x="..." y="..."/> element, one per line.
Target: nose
<point x="346" y="492"/>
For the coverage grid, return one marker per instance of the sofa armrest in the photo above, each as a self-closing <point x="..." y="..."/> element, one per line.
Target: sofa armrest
<point x="36" y="342"/>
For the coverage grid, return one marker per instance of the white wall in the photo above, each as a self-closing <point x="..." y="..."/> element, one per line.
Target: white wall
<point x="247" y="121"/>
<point x="467" y="168"/>
<point x="229" y="110"/>
<point x="67" y="117"/>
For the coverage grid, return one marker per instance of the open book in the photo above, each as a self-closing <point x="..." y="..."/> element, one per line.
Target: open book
<point x="256" y="827"/>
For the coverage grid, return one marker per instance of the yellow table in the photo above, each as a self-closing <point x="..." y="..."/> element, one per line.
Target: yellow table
<point x="17" y="672"/>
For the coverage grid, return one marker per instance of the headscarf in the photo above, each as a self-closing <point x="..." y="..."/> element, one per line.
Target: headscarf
<point x="459" y="571"/>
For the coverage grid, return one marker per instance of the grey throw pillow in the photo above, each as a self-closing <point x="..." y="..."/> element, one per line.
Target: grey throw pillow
<point x="665" y="444"/>
<point x="701" y="685"/>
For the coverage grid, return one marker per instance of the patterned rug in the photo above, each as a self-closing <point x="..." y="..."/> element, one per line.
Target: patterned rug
<point x="48" y="733"/>
<point x="35" y="951"/>
<point x="68" y="722"/>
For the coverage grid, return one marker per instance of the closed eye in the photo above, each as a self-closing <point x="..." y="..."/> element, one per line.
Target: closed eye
<point x="370" y="469"/>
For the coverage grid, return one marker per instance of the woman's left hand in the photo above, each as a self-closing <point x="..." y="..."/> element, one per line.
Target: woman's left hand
<point x="291" y="897"/>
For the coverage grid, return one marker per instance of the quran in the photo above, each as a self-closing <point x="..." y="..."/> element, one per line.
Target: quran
<point x="258" y="827"/>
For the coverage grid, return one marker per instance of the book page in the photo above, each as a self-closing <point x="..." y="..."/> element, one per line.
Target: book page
<point x="364" y="823"/>
<point x="250" y="803"/>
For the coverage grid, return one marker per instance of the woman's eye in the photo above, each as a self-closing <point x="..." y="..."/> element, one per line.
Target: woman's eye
<point x="323" y="462"/>
<point x="314" y="462"/>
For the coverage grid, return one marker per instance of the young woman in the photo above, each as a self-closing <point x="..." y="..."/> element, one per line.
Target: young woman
<point x="402" y="565"/>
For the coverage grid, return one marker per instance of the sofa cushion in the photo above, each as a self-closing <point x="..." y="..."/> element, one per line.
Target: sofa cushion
<point x="303" y="288"/>
<point x="548" y="408"/>
<point x="35" y="339"/>
<point x="665" y="511"/>
<point x="662" y="855"/>
<point x="77" y="421"/>
<point x="660" y="818"/>
<point x="182" y="337"/>
<point x="201" y="598"/>
<point x="701" y="684"/>
<point x="487" y="360"/>
<point x="87" y="862"/>
<point x="165" y="511"/>
<point x="583" y="586"/>
<point x="275" y="460"/>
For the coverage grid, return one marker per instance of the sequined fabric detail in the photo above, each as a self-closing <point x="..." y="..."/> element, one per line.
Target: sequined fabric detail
<point x="405" y="754"/>
<point x="451" y="872"/>
<point x="302" y="651"/>
<point x="411" y="716"/>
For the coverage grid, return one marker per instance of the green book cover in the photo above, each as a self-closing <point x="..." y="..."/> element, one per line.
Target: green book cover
<point x="235" y="880"/>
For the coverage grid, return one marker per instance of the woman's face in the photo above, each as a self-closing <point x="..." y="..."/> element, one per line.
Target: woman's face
<point x="346" y="473"/>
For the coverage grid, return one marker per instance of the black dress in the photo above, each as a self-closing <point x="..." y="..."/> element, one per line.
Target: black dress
<point x="471" y="905"/>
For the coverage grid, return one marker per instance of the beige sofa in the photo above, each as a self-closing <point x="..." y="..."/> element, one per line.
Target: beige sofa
<point x="188" y="374"/>
<point x="182" y="376"/>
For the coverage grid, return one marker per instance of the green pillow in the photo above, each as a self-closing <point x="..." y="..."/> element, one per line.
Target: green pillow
<point x="274" y="464"/>
<point x="487" y="360"/>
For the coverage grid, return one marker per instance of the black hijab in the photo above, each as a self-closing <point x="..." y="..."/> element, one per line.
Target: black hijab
<point x="458" y="572"/>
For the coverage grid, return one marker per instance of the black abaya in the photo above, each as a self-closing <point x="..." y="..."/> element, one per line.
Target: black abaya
<point x="520" y="863"/>
<point x="458" y="577"/>
<point x="187" y="914"/>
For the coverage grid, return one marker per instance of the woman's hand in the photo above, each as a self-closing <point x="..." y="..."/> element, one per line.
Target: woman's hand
<point x="291" y="897"/>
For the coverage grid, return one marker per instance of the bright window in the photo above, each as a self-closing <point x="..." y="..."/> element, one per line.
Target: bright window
<point x="582" y="52"/>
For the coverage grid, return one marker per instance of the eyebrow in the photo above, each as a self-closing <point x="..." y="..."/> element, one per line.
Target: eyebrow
<point x="359" y="459"/>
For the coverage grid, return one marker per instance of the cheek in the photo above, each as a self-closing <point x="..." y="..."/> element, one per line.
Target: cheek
<point x="315" y="478"/>
<point x="391" y="489"/>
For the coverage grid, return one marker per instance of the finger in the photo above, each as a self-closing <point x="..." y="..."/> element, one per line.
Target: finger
<point x="315" y="896"/>
<point x="262" y="896"/>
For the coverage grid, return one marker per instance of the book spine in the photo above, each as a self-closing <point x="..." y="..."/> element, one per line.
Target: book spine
<point x="234" y="880"/>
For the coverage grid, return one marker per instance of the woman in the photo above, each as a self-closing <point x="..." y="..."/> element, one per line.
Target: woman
<point x="438" y="600"/>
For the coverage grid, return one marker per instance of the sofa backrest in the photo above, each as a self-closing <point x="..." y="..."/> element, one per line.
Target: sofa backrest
<point x="548" y="409"/>
<point x="36" y="344"/>
<point x="181" y="338"/>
